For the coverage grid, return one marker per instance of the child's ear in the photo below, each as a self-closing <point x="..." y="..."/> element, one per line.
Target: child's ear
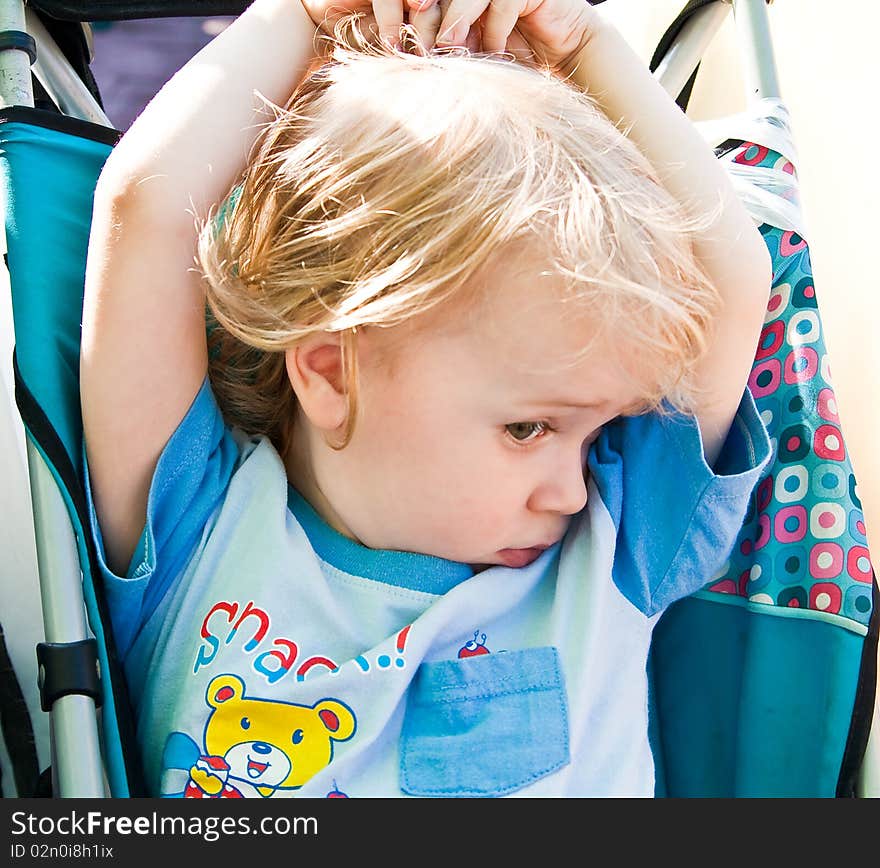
<point x="314" y="368"/>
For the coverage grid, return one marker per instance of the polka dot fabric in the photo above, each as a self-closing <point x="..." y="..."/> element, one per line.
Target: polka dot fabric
<point x="803" y="542"/>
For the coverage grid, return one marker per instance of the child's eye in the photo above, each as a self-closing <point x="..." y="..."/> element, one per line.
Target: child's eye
<point x="526" y="432"/>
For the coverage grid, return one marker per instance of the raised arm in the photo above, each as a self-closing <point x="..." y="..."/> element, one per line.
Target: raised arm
<point x="144" y="352"/>
<point x="731" y="251"/>
<point x="575" y="39"/>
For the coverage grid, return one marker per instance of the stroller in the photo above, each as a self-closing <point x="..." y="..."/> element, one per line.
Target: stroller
<point x="762" y="684"/>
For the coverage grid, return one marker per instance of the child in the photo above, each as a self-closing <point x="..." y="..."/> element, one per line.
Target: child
<point x="454" y="313"/>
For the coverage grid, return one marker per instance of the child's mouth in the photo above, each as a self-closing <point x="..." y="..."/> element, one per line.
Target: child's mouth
<point x="520" y="557"/>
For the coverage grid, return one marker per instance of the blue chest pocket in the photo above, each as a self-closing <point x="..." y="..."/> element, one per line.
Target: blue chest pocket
<point x="484" y="726"/>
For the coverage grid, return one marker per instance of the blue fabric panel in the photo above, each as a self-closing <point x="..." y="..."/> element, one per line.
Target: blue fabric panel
<point x="484" y="726"/>
<point x="750" y="704"/>
<point x="50" y="179"/>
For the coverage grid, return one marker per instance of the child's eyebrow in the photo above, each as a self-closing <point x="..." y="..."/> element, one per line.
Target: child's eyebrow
<point x="568" y="404"/>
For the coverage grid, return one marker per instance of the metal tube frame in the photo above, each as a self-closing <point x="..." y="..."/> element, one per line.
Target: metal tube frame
<point x="16" y="87"/>
<point x="753" y="38"/>
<point x="756" y="49"/>
<point x="73" y="718"/>
<point x="679" y="63"/>
<point x="63" y="85"/>
<point x="77" y="768"/>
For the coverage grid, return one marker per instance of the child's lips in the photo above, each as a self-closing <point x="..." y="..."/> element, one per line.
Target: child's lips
<point x="521" y="557"/>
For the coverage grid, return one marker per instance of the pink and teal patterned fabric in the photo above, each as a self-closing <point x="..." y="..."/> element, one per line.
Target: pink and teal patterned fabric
<point x="803" y="543"/>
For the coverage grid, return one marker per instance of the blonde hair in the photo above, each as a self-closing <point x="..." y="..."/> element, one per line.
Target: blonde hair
<point x="391" y="177"/>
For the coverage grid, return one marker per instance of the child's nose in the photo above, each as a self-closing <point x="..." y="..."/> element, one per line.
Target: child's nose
<point x="563" y="490"/>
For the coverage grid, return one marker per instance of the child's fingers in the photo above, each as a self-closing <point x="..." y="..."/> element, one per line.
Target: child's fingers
<point x="474" y="40"/>
<point x="498" y="23"/>
<point x="389" y="17"/>
<point x="519" y="48"/>
<point x="457" y="20"/>
<point x="426" y="23"/>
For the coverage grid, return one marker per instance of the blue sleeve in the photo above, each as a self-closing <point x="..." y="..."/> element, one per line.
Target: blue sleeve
<point x="677" y="519"/>
<point x="190" y="480"/>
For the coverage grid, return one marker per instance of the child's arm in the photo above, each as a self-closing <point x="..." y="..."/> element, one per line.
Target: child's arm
<point x="574" y="38"/>
<point x="731" y="251"/>
<point x="144" y="351"/>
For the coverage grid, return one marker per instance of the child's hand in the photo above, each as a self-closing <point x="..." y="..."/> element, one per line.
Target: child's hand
<point x="550" y="31"/>
<point x="382" y="17"/>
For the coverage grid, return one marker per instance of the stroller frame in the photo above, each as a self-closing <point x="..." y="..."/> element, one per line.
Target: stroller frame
<point x="77" y="765"/>
<point x="74" y="738"/>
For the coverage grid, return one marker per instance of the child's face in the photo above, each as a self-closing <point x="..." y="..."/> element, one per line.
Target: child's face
<point x="472" y="445"/>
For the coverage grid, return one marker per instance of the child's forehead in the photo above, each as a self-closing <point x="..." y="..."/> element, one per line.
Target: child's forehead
<point x="519" y="325"/>
<point x="525" y="303"/>
<point x="528" y="329"/>
<point x="545" y="365"/>
<point x="525" y="350"/>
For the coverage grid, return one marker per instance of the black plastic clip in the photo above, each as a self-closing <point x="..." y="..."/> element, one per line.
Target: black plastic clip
<point x="20" y="40"/>
<point x="68" y="667"/>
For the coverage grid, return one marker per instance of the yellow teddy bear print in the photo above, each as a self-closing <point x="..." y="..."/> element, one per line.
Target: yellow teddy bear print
<point x="259" y="746"/>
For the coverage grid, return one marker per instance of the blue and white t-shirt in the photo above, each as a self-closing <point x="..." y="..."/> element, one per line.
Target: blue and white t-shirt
<point x="268" y="655"/>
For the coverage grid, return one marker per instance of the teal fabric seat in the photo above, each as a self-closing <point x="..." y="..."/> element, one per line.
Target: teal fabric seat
<point x="763" y="682"/>
<point x="50" y="164"/>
